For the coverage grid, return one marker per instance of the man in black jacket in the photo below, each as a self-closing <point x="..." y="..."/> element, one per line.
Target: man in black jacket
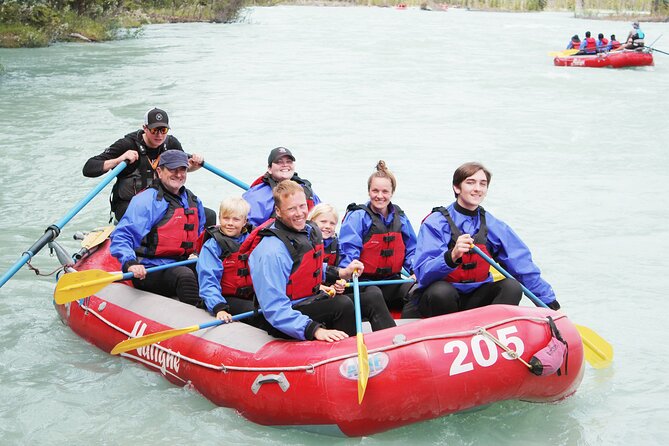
<point x="141" y="149"/>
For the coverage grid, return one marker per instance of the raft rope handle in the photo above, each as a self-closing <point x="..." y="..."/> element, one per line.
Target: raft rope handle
<point x="309" y="368"/>
<point x="512" y="353"/>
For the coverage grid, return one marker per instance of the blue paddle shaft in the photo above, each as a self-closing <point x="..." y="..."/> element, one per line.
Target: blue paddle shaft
<point x="383" y="282"/>
<point x="241" y="316"/>
<point x="225" y="175"/>
<point x="52" y="231"/>
<point x="128" y="276"/>
<point x="356" y="302"/>
<point x="499" y="268"/>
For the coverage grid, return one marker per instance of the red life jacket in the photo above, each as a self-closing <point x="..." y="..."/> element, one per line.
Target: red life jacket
<point x="615" y="44"/>
<point x="271" y="182"/>
<point x="331" y="253"/>
<point x="176" y="233"/>
<point x="236" y="278"/>
<point x="473" y="268"/>
<point x="306" y="251"/>
<point x="575" y="44"/>
<point x="383" y="247"/>
<point x="590" y="44"/>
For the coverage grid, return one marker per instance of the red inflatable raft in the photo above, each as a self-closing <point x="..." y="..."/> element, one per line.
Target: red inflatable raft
<point x="613" y="59"/>
<point x="439" y="365"/>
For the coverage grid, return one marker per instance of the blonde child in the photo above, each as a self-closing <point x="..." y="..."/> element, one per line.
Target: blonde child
<point x="326" y="218"/>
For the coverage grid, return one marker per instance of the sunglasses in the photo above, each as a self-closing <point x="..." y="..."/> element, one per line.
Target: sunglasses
<point x="161" y="130"/>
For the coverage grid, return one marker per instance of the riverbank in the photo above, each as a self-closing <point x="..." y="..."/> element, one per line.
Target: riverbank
<point x="23" y="26"/>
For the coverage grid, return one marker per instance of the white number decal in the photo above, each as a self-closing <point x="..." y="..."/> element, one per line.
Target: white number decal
<point x="517" y="343"/>
<point x="478" y="353"/>
<point x="460" y="366"/>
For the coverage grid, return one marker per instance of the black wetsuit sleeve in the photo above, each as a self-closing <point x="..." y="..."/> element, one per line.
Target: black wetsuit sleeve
<point x="173" y="144"/>
<point x="310" y="331"/>
<point x="94" y="165"/>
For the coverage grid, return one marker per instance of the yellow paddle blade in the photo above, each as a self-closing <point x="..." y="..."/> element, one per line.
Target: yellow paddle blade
<point x="496" y="275"/>
<point x="363" y="367"/>
<point x="95" y="237"/>
<point x="142" y="341"/>
<point x="564" y="53"/>
<point x="598" y="352"/>
<point x="80" y="284"/>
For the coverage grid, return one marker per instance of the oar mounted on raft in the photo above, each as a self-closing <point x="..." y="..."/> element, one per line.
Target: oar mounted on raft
<point x="54" y="230"/>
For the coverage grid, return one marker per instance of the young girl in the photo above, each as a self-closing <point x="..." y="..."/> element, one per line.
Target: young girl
<point x="381" y="236"/>
<point x="326" y="218"/>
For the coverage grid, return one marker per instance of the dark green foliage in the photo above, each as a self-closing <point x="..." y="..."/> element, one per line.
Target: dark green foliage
<point x="39" y="22"/>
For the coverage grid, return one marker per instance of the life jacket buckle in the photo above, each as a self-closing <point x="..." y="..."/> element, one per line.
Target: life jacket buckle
<point x="469" y="265"/>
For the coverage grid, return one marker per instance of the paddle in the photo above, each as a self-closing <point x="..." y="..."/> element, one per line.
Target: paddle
<point x="598" y="352"/>
<point x="143" y="341"/>
<point x="564" y="53"/>
<point x="381" y="282"/>
<point x="363" y="359"/>
<point x="80" y="284"/>
<point x="93" y="239"/>
<point x="225" y="175"/>
<point x="655" y="49"/>
<point x="54" y="230"/>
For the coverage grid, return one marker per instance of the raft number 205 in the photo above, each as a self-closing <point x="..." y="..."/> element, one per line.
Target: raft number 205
<point x="460" y="366"/>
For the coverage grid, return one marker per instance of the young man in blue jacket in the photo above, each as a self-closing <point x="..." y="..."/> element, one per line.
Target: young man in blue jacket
<point x="453" y="278"/>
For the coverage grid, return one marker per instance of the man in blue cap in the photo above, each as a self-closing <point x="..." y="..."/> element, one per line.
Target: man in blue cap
<point x="141" y="149"/>
<point x="161" y="226"/>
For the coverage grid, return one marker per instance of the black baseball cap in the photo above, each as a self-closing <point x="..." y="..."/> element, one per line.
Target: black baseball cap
<point x="156" y="118"/>
<point x="277" y="153"/>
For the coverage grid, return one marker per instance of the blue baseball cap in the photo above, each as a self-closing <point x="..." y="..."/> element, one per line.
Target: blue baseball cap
<point x="173" y="159"/>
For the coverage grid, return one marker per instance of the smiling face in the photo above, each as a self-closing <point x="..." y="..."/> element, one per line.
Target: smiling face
<point x="472" y="190"/>
<point x="380" y="194"/>
<point x="172" y="179"/>
<point x="282" y="169"/>
<point x="293" y="210"/>
<point x="326" y="222"/>
<point x="232" y="224"/>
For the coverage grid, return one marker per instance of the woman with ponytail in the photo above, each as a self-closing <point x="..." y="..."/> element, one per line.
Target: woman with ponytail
<point x="381" y="236"/>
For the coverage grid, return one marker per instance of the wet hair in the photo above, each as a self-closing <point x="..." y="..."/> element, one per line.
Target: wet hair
<point x="323" y="208"/>
<point x="234" y="206"/>
<point x="613" y="37"/>
<point x="382" y="172"/>
<point x="600" y="36"/>
<point x="587" y="34"/>
<point x="285" y="189"/>
<point x="575" y="38"/>
<point x="467" y="170"/>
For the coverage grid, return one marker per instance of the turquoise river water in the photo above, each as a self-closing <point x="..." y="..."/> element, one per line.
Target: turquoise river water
<point x="579" y="161"/>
